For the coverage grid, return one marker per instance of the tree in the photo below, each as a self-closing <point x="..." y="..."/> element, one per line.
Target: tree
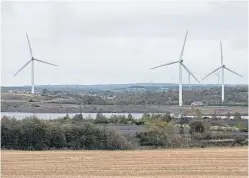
<point x="237" y="116"/>
<point x="45" y="91"/>
<point x="78" y="117"/>
<point x="197" y="126"/>
<point x="198" y="113"/>
<point x="214" y="116"/>
<point x="130" y="117"/>
<point x="100" y="119"/>
<point x="228" y="115"/>
<point x="166" y="117"/>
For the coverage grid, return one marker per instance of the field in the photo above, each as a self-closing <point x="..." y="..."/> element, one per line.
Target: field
<point x="35" y="107"/>
<point x="11" y="102"/>
<point x="210" y="162"/>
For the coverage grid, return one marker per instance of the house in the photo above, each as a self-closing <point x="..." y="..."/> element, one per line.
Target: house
<point x="197" y="103"/>
<point x="111" y="97"/>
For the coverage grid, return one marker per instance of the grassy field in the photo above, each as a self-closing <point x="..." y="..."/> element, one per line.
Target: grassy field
<point x="37" y="107"/>
<point x="11" y="102"/>
<point x="211" y="162"/>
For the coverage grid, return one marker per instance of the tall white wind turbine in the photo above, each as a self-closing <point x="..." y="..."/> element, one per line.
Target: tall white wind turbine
<point x="32" y="65"/>
<point x="180" y="62"/>
<point x="222" y="67"/>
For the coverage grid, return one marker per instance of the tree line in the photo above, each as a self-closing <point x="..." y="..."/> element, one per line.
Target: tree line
<point x="91" y="134"/>
<point x="211" y="96"/>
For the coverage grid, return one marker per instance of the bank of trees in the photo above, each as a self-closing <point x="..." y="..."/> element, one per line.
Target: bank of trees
<point x="34" y="134"/>
<point x="211" y="96"/>
<point x="160" y="130"/>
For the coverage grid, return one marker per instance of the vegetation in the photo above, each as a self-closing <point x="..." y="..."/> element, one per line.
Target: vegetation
<point x="211" y="97"/>
<point x="235" y="96"/>
<point x="159" y="130"/>
<point x="32" y="133"/>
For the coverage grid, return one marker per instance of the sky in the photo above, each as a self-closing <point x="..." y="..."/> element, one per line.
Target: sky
<point x="108" y="42"/>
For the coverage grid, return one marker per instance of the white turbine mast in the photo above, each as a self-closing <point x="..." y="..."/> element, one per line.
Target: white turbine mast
<point x="180" y="62"/>
<point x="222" y="67"/>
<point x="32" y="65"/>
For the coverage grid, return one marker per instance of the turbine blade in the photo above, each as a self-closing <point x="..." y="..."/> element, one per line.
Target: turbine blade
<point x="165" y="64"/>
<point x="183" y="45"/>
<point x="221" y="53"/>
<point x="22" y="67"/>
<point x="233" y="72"/>
<point x="45" y="62"/>
<point x="30" y="49"/>
<point x="212" y="72"/>
<point x="190" y="72"/>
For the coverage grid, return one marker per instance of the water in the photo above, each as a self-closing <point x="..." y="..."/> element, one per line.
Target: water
<point x="21" y="115"/>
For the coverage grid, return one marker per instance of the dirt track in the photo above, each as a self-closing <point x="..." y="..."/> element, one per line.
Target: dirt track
<point x="212" y="162"/>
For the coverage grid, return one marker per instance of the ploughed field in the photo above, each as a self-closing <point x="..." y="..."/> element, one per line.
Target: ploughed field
<point x="205" y="162"/>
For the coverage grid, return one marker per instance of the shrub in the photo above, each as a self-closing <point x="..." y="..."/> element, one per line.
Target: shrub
<point x="197" y="126"/>
<point x="35" y="134"/>
<point x="101" y="119"/>
<point x="78" y="117"/>
<point x="237" y="116"/>
<point x="160" y="137"/>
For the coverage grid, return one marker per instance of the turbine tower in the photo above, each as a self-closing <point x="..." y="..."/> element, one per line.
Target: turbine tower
<point x="180" y="62"/>
<point x="222" y="67"/>
<point x="32" y="60"/>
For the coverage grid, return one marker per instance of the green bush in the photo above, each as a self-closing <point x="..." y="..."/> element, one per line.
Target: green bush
<point x="160" y="137"/>
<point x="35" y="134"/>
<point x="101" y="119"/>
<point x="197" y="126"/>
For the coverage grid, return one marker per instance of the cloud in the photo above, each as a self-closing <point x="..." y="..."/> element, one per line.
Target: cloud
<point x="117" y="42"/>
<point x="240" y="44"/>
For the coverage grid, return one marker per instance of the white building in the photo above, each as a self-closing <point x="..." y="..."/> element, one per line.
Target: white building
<point x="197" y="103"/>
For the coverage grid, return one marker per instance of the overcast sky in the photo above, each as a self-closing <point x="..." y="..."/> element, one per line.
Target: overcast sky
<point x="117" y="42"/>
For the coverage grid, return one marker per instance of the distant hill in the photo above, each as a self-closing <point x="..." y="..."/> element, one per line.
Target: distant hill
<point x="124" y="87"/>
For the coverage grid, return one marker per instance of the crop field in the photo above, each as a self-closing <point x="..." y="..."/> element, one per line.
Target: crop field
<point x="208" y="162"/>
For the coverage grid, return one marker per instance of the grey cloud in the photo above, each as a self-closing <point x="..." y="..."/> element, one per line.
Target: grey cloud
<point x="239" y="44"/>
<point x="117" y="42"/>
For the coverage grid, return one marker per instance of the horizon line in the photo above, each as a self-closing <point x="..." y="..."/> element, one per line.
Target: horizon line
<point x="114" y="84"/>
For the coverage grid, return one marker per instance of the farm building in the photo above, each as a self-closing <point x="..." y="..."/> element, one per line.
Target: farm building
<point x="197" y="103"/>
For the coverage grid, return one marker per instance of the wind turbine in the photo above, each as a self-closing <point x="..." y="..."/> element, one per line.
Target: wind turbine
<point x="222" y="67"/>
<point x="32" y="60"/>
<point x="180" y="62"/>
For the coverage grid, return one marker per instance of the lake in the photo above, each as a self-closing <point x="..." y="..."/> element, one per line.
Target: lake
<point x="21" y="115"/>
